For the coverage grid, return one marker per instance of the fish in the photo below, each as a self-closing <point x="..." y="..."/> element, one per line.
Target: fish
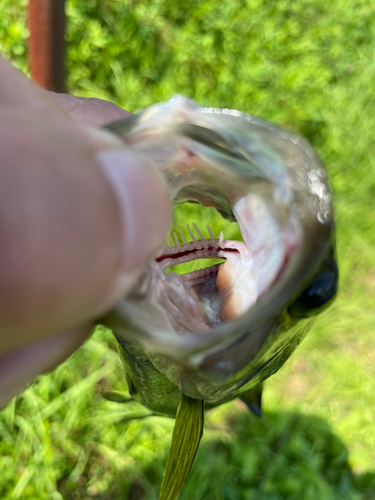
<point x="209" y="335"/>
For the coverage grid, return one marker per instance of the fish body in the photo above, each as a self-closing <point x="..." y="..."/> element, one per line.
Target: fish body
<point x="216" y="333"/>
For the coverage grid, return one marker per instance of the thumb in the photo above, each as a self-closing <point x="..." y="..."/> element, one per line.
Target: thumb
<point x="77" y="226"/>
<point x="145" y="213"/>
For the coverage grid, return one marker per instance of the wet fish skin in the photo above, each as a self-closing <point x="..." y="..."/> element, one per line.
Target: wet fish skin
<point x="257" y="344"/>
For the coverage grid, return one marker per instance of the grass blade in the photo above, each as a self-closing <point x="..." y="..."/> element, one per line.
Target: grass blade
<point x="186" y="436"/>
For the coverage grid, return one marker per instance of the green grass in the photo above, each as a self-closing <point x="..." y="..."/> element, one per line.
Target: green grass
<point x="308" y="65"/>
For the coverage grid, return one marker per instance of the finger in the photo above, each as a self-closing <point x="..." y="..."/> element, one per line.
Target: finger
<point x="92" y="112"/>
<point x="75" y="229"/>
<point x="17" y="92"/>
<point x="19" y="368"/>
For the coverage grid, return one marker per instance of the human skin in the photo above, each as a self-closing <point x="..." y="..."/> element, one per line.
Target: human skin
<point x="80" y="218"/>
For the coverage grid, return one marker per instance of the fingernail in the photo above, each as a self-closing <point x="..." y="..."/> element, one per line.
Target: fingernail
<point x="144" y="203"/>
<point x="20" y="367"/>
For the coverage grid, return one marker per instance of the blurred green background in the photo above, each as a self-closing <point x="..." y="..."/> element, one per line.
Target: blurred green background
<point x="308" y="65"/>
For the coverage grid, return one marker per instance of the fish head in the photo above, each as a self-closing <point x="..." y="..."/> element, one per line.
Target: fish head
<point x="216" y="332"/>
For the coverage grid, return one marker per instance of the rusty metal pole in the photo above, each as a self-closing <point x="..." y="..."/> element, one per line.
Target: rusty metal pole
<point x="46" y="20"/>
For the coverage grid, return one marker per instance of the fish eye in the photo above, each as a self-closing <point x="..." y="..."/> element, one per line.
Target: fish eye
<point x="320" y="292"/>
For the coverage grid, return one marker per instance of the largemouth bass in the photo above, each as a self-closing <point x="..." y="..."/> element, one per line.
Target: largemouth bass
<point x="216" y="333"/>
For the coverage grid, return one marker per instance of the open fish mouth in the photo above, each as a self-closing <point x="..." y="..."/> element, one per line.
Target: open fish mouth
<point x="213" y="330"/>
<point x="242" y="178"/>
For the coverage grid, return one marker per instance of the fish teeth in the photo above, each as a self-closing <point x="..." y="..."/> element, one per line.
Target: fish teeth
<point x="221" y="239"/>
<point x="170" y="242"/>
<point x="176" y="239"/>
<point x="198" y="232"/>
<point x="212" y="234"/>
<point x="182" y="236"/>
<point x="191" y="233"/>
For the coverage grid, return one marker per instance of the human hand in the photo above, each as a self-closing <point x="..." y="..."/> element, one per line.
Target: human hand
<point x="80" y="218"/>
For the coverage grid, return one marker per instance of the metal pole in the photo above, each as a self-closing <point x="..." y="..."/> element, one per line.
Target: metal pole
<point x="46" y="20"/>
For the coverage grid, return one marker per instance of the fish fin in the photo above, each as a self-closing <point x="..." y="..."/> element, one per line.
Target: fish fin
<point x="253" y="400"/>
<point x="187" y="433"/>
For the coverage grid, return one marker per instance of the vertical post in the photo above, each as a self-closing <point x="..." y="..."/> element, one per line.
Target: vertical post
<point x="46" y="20"/>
